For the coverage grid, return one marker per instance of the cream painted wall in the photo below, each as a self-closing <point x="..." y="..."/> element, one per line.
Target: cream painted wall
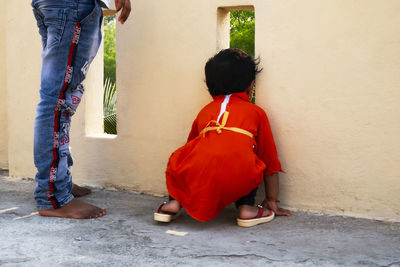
<point x="330" y="86"/>
<point x="23" y="80"/>
<point x="3" y="91"/>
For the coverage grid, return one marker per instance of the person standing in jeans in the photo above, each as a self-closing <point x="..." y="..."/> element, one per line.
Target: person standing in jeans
<point x="71" y="35"/>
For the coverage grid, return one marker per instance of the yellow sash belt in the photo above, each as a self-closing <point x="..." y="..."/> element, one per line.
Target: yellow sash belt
<point x="221" y="126"/>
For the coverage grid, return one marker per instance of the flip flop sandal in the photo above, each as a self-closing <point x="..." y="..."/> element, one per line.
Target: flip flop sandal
<point x="163" y="216"/>
<point x="257" y="220"/>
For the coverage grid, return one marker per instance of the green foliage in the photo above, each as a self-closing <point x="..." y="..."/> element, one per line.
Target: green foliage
<point x="109" y="49"/>
<point x="243" y="30"/>
<point x="108" y="19"/>
<point x="110" y="124"/>
<point x="109" y="107"/>
<point x="110" y="97"/>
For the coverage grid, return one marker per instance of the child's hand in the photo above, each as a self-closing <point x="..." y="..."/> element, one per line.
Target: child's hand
<point x="272" y="205"/>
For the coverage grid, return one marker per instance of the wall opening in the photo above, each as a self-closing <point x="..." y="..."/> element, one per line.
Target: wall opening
<point x="236" y="29"/>
<point x="110" y="95"/>
<point x="242" y="30"/>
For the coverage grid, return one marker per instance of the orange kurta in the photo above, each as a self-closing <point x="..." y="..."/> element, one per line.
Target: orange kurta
<point x="216" y="168"/>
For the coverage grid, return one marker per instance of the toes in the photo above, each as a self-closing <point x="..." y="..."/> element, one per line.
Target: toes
<point x="94" y="212"/>
<point x="101" y="212"/>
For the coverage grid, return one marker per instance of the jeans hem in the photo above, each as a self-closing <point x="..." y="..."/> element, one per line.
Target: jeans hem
<point x="62" y="203"/>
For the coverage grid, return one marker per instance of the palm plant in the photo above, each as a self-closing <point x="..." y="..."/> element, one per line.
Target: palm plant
<point x="110" y="107"/>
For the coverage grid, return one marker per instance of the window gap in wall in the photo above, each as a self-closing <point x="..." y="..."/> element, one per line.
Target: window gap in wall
<point x="110" y="90"/>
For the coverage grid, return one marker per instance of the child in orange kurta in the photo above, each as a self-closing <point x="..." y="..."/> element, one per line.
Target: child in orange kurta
<point x="229" y="152"/>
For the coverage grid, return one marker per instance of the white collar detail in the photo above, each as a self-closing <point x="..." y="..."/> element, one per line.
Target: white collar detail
<point x="223" y="106"/>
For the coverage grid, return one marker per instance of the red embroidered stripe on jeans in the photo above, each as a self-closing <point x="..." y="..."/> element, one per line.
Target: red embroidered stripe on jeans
<point x="67" y="80"/>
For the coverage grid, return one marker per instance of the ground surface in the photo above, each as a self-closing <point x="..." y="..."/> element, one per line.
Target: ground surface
<point x="127" y="236"/>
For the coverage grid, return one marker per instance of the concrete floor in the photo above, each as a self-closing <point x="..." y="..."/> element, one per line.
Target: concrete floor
<point x="127" y="235"/>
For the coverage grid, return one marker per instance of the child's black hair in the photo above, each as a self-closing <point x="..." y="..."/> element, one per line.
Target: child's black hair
<point x="230" y="71"/>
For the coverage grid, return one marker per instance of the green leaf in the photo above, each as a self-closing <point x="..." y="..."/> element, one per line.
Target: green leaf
<point x="109" y="49"/>
<point x="110" y="124"/>
<point x="110" y="107"/>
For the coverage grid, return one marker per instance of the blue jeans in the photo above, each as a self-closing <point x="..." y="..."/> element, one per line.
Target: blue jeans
<point x="71" y="35"/>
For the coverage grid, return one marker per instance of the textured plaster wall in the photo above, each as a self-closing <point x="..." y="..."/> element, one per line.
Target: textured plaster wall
<point x="330" y="87"/>
<point x="3" y="90"/>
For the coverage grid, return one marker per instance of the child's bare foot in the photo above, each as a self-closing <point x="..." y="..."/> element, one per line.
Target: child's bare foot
<point x="79" y="191"/>
<point x="250" y="212"/>
<point x="75" y="209"/>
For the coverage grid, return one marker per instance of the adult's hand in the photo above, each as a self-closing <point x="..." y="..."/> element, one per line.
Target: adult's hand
<point x="125" y="7"/>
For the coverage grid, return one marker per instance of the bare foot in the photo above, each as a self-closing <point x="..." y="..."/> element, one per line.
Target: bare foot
<point x="75" y="209"/>
<point x="250" y="212"/>
<point x="79" y="191"/>
<point x="172" y="206"/>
